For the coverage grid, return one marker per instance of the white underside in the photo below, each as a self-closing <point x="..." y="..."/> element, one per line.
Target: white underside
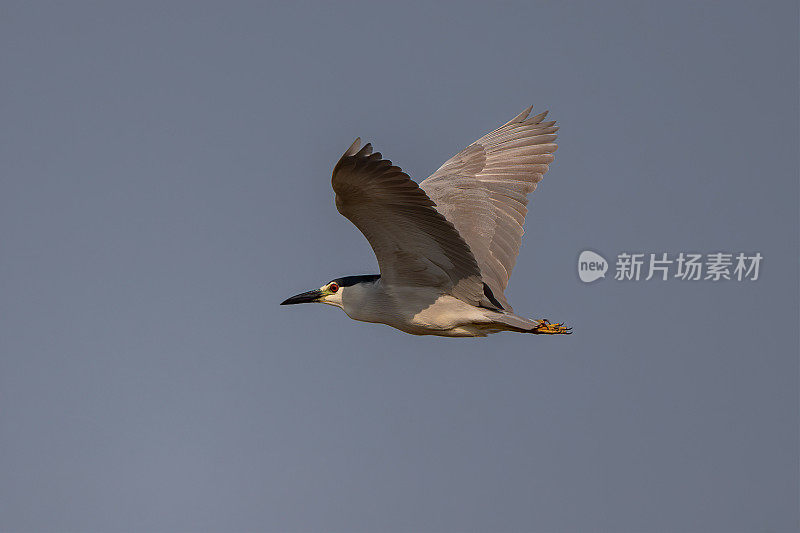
<point x="423" y="311"/>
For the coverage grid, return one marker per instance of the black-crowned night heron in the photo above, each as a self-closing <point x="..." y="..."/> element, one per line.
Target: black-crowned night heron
<point x="445" y="247"/>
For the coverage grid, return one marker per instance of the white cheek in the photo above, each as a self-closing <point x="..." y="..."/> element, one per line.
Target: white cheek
<point x="333" y="299"/>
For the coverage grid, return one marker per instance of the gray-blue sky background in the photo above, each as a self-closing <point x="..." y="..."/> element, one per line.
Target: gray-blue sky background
<point x="165" y="183"/>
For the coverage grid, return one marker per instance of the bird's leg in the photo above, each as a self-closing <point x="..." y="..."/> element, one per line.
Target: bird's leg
<point x="544" y="327"/>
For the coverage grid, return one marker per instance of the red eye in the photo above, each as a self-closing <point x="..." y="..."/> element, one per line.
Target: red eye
<point x="333" y="287"/>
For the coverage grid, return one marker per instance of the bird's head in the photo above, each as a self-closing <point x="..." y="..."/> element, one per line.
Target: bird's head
<point x="332" y="292"/>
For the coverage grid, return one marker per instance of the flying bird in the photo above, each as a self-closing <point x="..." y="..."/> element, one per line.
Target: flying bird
<point x="445" y="247"/>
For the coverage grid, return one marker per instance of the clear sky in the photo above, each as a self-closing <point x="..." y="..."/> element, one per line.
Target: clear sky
<point x="165" y="183"/>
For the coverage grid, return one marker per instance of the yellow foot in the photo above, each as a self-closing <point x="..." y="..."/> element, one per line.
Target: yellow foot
<point x="546" y="328"/>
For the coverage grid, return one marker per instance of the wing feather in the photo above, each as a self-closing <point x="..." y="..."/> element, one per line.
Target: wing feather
<point x="483" y="191"/>
<point x="415" y="244"/>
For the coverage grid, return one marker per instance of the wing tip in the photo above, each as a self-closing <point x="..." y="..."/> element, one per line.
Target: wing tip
<point x="354" y="147"/>
<point x="357" y="150"/>
<point x="537" y="119"/>
<point x="365" y="151"/>
<point x="523" y="118"/>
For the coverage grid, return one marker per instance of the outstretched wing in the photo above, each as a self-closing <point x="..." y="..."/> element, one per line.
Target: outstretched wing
<point x="483" y="191"/>
<point x="415" y="245"/>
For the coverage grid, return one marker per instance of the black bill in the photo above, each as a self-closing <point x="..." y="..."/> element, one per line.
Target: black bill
<point x="303" y="298"/>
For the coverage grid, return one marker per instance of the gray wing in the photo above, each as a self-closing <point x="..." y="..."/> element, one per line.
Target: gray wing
<point x="414" y="244"/>
<point x="483" y="191"/>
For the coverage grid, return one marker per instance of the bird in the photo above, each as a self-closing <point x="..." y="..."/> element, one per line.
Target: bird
<point x="446" y="246"/>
